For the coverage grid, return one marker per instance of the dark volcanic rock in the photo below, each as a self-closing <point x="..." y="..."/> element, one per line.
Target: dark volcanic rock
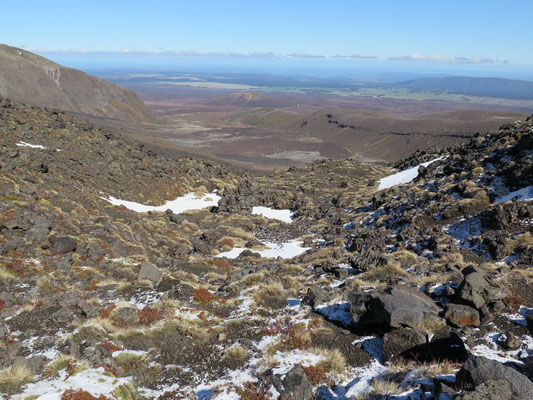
<point x="447" y="345"/>
<point x="479" y="370"/>
<point x="295" y="385"/>
<point x="395" y="307"/>
<point x="460" y="315"/>
<point x="61" y="244"/>
<point x="477" y="290"/>
<point x="150" y="271"/>
<point x="316" y="296"/>
<point x="408" y="343"/>
<point x="367" y="260"/>
<point x="490" y="390"/>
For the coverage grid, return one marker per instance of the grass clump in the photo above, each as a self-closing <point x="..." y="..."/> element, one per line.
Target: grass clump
<point x="386" y="271"/>
<point x="13" y="378"/>
<point x="236" y="353"/>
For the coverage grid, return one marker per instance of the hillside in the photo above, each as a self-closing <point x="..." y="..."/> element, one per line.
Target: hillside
<point x="28" y="78"/>
<point x="484" y="87"/>
<point x="126" y="275"/>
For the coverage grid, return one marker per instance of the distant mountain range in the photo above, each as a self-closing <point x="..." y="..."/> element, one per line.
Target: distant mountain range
<point x="485" y="87"/>
<point x="28" y="78"/>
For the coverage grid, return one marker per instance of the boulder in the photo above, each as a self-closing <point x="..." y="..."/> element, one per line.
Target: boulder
<point x="490" y="390"/>
<point x="460" y="315"/>
<point x="397" y="307"/>
<point x="61" y="244"/>
<point x="316" y="296"/>
<point x="150" y="272"/>
<point x="529" y="322"/>
<point x="479" y="370"/>
<point x="295" y="385"/>
<point x="407" y="343"/>
<point x="476" y="290"/>
<point x="446" y="345"/>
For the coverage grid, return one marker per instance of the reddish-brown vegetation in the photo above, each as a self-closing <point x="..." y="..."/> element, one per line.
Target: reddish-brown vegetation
<point x="71" y="394"/>
<point x="203" y="296"/>
<point x="148" y="315"/>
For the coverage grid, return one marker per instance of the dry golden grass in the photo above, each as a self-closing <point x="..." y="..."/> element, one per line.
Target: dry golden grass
<point x="12" y="378"/>
<point x="268" y="290"/>
<point x="456" y="258"/>
<point x="432" y="325"/>
<point x="236" y="353"/>
<point x="253" y="279"/>
<point x="213" y="276"/>
<point x="334" y="362"/>
<point x="385" y="387"/>
<point x="388" y="270"/>
<point x="405" y="257"/>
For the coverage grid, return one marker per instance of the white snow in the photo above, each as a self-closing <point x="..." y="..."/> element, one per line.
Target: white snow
<point x="285" y="250"/>
<point x="282" y="215"/>
<point x="93" y="381"/>
<point x="181" y="204"/>
<point x="405" y="176"/>
<point x="523" y="194"/>
<point x="33" y="146"/>
<point x="285" y="361"/>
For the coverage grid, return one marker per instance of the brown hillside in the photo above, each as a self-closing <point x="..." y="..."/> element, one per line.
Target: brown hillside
<point x="28" y="78"/>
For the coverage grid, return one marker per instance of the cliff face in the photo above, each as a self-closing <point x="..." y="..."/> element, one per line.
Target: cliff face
<point x="28" y="78"/>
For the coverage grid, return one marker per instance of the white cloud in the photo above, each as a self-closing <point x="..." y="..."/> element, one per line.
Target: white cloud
<point x="355" y="56"/>
<point x="303" y="54"/>
<point x="445" y="59"/>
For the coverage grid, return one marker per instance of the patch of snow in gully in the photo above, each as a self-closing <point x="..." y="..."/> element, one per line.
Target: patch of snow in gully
<point x="179" y="205"/>
<point x="285" y="250"/>
<point x="523" y="194"/>
<point x="282" y="215"/>
<point x="405" y="176"/>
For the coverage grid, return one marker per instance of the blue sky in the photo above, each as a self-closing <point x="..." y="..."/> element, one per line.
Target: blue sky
<point x="472" y="32"/>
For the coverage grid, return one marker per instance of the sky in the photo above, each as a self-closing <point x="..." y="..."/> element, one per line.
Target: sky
<point x="490" y="35"/>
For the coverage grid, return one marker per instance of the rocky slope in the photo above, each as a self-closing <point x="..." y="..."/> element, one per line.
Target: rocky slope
<point x="372" y="289"/>
<point x="28" y="78"/>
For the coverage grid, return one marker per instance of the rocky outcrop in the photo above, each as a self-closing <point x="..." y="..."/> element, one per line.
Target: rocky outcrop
<point x="396" y="307"/>
<point x="480" y="370"/>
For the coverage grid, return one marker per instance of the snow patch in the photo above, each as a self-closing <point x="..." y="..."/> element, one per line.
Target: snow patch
<point x="285" y="250"/>
<point x="282" y="215"/>
<point x="93" y="381"/>
<point x="524" y="194"/>
<point x="405" y="176"/>
<point x="179" y="205"/>
<point x="33" y="146"/>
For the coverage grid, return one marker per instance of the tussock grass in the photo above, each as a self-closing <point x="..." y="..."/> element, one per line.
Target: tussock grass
<point x="236" y="353"/>
<point x="12" y="378"/>
<point x="385" y="387"/>
<point x="267" y="291"/>
<point x="253" y="279"/>
<point x="388" y="270"/>
<point x="334" y="362"/>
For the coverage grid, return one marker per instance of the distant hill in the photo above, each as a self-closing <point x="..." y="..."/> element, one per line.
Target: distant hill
<point x="248" y="99"/>
<point x="28" y="78"/>
<point x="486" y="87"/>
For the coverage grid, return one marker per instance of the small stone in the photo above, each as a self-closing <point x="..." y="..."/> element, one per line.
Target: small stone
<point x="509" y="341"/>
